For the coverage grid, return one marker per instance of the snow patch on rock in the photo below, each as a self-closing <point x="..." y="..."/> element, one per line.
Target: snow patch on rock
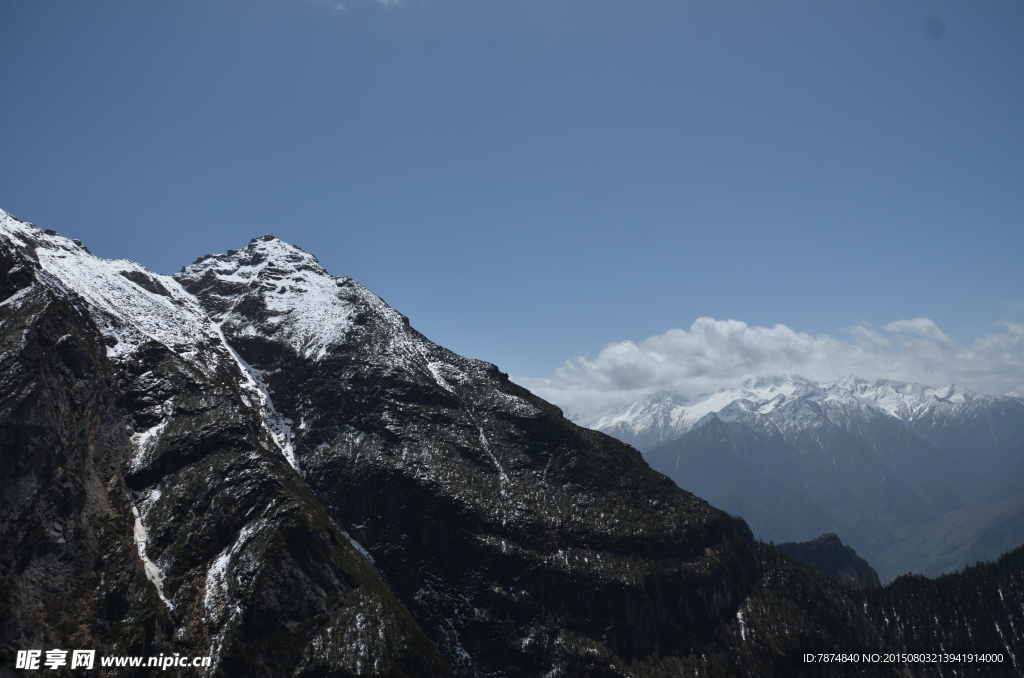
<point x="131" y="304"/>
<point x="301" y="300"/>
<point x="152" y="570"/>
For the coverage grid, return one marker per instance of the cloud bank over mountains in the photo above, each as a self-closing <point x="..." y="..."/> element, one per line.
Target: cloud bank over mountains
<point x="716" y="354"/>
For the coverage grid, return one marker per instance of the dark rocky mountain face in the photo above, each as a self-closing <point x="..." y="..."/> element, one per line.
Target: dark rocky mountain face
<point x="263" y="463"/>
<point x="830" y="556"/>
<point x="515" y="536"/>
<point x="147" y="511"/>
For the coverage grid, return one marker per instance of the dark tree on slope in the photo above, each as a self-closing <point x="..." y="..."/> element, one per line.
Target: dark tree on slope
<point x="980" y="608"/>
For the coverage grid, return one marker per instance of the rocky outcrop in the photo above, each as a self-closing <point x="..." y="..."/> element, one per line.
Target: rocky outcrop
<point x="830" y="556"/>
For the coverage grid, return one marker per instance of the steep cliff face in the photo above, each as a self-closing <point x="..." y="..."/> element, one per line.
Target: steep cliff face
<point x="65" y="522"/>
<point x="264" y="463"/>
<point x="146" y="506"/>
<point x="518" y="538"/>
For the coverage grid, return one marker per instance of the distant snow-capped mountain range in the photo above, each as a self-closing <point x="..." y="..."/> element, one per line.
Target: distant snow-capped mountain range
<point x="912" y="476"/>
<point x="666" y="415"/>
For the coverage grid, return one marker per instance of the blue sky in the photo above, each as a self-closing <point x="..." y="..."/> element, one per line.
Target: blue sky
<point x="530" y="181"/>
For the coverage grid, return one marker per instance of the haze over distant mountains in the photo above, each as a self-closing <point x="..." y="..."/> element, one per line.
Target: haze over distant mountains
<point x="915" y="478"/>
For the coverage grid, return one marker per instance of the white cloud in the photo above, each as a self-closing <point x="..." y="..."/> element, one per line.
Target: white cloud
<point x="715" y="354"/>
<point x="922" y="327"/>
<point x="330" y="4"/>
<point x="341" y="7"/>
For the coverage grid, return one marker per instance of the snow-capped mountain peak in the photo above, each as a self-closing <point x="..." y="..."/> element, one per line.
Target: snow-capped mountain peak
<point x="277" y="292"/>
<point x="131" y="304"/>
<point x="899" y="399"/>
<point x="784" y="400"/>
<point x="296" y="298"/>
<point x="262" y="253"/>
